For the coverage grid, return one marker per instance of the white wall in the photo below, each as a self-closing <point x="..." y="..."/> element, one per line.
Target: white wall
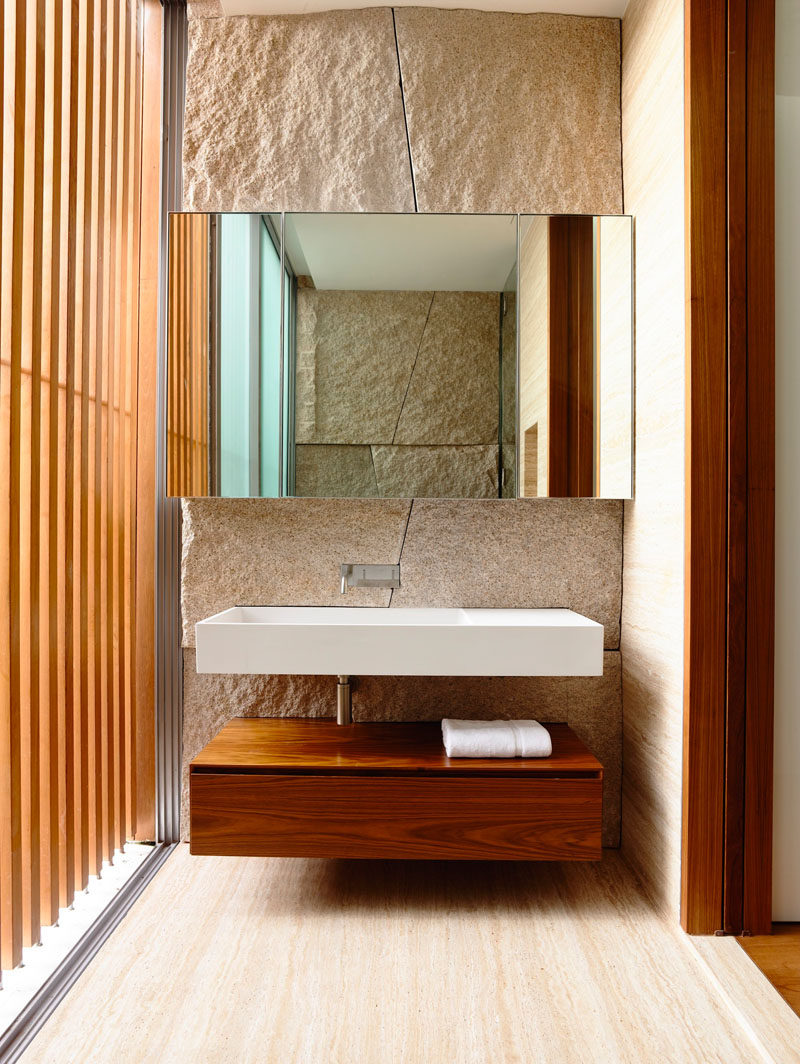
<point x="786" y="888"/>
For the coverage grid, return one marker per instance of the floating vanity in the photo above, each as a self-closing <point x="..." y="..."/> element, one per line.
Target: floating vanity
<point x="312" y="788"/>
<point x="309" y="788"/>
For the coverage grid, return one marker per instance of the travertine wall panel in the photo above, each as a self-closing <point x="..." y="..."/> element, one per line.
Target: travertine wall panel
<point x="590" y="705"/>
<point x="614" y="384"/>
<point x="652" y="612"/>
<point x="510" y="112"/>
<point x="297" y="113"/>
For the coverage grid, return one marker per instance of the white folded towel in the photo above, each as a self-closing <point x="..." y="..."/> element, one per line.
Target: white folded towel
<point x="496" y="738"/>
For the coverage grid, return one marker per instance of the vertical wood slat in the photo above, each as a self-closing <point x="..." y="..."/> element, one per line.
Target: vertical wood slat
<point x="30" y="475"/>
<point x="188" y="355"/>
<point x="69" y="859"/>
<point x="73" y="784"/>
<point x="705" y="650"/>
<point x="570" y="357"/>
<point x="736" y="650"/>
<point x="50" y="681"/>
<point x="757" y="894"/>
<point x="12" y="273"/>
<point x="86" y="180"/>
<point x="148" y="147"/>
<point x="5" y="803"/>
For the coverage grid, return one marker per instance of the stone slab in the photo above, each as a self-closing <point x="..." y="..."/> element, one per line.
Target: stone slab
<point x="355" y="355"/>
<point x="512" y="112"/>
<point x="522" y="553"/>
<point x="296" y="113"/>
<point x="437" y="472"/>
<point x="282" y="552"/>
<point x="453" y="393"/>
<point x="334" y="471"/>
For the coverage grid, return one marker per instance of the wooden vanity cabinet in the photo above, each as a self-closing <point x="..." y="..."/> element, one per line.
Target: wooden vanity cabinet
<point x="310" y="788"/>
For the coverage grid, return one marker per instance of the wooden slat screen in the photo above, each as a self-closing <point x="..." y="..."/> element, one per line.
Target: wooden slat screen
<point x="78" y="334"/>
<point x="188" y="356"/>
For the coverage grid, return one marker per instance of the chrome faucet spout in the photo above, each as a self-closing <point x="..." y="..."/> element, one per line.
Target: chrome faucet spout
<point x="358" y="575"/>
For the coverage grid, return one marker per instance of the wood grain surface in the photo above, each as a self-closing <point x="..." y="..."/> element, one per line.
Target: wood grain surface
<point x="395" y="817"/>
<point x="706" y="570"/>
<point x="76" y="431"/>
<point x="303" y="788"/>
<point x="778" y="956"/>
<point x="264" y="744"/>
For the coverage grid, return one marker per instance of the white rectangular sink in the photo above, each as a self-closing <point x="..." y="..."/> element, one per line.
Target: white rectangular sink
<point x="375" y="641"/>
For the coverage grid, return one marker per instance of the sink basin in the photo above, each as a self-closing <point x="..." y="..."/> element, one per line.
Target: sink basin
<point x="375" y="641"/>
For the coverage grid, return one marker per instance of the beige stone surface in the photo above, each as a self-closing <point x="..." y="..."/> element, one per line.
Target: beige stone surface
<point x="437" y="472"/>
<point x="295" y="112"/>
<point x="282" y="552"/>
<point x="512" y="112"/>
<point x="226" y="960"/>
<point x="204" y="9"/>
<point x="454" y="388"/>
<point x="473" y="553"/>
<point x="516" y="553"/>
<point x="652" y="609"/>
<point x="335" y="471"/>
<point x="355" y="355"/>
<point x="591" y="705"/>
<point x="768" y="1021"/>
<point x="614" y="331"/>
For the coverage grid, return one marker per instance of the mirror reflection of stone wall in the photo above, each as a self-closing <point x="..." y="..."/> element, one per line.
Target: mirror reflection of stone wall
<point x="397" y="393"/>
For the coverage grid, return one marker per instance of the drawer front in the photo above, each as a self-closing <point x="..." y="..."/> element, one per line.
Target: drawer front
<point x="395" y="817"/>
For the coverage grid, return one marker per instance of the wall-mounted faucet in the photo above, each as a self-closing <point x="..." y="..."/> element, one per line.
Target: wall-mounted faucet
<point x="357" y="575"/>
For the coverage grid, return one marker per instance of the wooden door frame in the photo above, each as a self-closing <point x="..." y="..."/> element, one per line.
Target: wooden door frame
<point x="730" y="466"/>
<point x="570" y="357"/>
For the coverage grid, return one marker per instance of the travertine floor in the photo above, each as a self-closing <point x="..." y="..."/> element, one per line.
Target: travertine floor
<point x="334" y="962"/>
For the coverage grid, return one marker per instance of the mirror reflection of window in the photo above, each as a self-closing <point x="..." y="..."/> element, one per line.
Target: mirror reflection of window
<point x="251" y="420"/>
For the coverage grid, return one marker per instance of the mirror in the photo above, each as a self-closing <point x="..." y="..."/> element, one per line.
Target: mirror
<point x="399" y="355"/>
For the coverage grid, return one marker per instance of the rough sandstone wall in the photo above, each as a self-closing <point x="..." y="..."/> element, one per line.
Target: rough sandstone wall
<point x="497" y="113"/>
<point x="505" y="112"/>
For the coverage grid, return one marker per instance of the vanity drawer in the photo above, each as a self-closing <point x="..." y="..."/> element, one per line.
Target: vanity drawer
<point x="385" y="816"/>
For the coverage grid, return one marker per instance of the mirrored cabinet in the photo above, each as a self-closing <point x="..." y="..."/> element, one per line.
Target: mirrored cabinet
<point x="400" y="355"/>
